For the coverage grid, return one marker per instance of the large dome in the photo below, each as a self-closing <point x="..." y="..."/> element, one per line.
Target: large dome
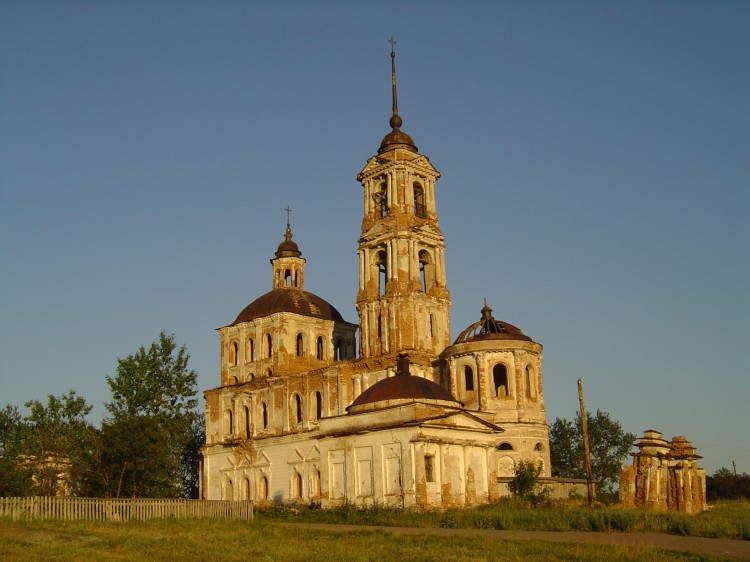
<point x="490" y="329"/>
<point x="289" y="300"/>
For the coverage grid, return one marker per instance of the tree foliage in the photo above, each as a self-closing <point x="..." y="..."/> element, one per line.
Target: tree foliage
<point x="609" y="445"/>
<point x="190" y="460"/>
<point x="15" y="480"/>
<point x="154" y="382"/>
<point x="152" y="423"/>
<point x="48" y="450"/>
<point x="726" y="485"/>
<point x="148" y="446"/>
<point x="59" y="438"/>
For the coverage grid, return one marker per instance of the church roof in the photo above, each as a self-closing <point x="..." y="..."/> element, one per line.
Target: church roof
<point x="402" y="387"/>
<point x="490" y="329"/>
<point x="289" y="299"/>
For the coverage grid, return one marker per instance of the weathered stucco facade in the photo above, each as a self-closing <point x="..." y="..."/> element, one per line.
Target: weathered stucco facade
<point x="405" y="418"/>
<point x="664" y="476"/>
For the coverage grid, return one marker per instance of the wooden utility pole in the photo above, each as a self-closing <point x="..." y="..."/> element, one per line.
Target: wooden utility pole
<point x="586" y="456"/>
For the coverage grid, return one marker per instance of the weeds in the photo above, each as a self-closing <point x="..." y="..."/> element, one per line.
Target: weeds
<point x="726" y="520"/>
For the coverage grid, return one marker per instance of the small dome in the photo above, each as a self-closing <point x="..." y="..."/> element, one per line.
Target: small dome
<point x="397" y="139"/>
<point x="289" y="299"/>
<point x="490" y="329"/>
<point x="402" y="388"/>
<point x="288" y="248"/>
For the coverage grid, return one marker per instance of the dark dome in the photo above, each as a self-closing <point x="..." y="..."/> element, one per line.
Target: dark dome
<point x="289" y="300"/>
<point x="397" y="139"/>
<point x="403" y="386"/>
<point x="490" y="329"/>
<point x="288" y="248"/>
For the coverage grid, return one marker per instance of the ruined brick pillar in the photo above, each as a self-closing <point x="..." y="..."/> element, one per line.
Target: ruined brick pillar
<point x="664" y="476"/>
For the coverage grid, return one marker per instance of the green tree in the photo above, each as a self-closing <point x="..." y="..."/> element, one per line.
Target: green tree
<point x="191" y="459"/>
<point x="151" y="423"/>
<point x="726" y="485"/>
<point x="15" y="479"/>
<point x="609" y="445"/>
<point x="57" y="443"/>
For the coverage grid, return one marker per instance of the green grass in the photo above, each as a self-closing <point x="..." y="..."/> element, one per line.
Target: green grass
<point x="228" y="541"/>
<point x="729" y="520"/>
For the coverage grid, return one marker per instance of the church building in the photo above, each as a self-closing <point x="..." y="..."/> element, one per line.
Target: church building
<point x="312" y="408"/>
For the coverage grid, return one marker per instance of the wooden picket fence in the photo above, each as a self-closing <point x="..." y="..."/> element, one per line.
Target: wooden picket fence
<point x="122" y="509"/>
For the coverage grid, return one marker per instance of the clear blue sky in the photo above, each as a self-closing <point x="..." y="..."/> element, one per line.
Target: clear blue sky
<point x="595" y="161"/>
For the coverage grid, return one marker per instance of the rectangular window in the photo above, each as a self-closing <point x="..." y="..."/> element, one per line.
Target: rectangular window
<point x="429" y="468"/>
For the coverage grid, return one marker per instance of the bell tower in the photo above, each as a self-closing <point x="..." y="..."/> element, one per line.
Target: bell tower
<point x="403" y="301"/>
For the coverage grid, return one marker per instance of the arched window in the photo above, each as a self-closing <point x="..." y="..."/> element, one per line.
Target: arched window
<point x="318" y="405"/>
<point x="297" y="405"/>
<point x="419" y="207"/>
<point x="432" y="325"/>
<point x="339" y="349"/>
<point x="319" y="348"/>
<point x="287" y="278"/>
<point x="249" y="350"/>
<point x="233" y="354"/>
<point x="299" y="345"/>
<point x="468" y="379"/>
<point x="500" y="380"/>
<point x="263" y="488"/>
<point x="539" y="447"/>
<point x="245" y="488"/>
<point x="381" y="261"/>
<point x="426" y="270"/>
<point x="246" y="412"/>
<point x="296" y="485"/>
<point x="530" y="384"/>
<point x="228" y="425"/>
<point x="315" y="484"/>
<point x="505" y="447"/>
<point x="269" y="345"/>
<point x="228" y="490"/>
<point x="264" y="414"/>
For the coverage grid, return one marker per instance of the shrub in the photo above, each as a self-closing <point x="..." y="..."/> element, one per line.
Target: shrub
<point x="525" y="484"/>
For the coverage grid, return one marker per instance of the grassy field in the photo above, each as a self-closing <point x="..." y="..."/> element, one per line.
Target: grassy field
<point x="227" y="541"/>
<point x="730" y="520"/>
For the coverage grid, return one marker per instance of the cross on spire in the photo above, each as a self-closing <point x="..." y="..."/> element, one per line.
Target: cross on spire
<point x="288" y="210"/>
<point x="392" y="41"/>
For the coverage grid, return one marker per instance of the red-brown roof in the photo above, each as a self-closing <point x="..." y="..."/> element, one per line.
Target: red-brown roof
<point x="403" y="387"/>
<point x="289" y="300"/>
